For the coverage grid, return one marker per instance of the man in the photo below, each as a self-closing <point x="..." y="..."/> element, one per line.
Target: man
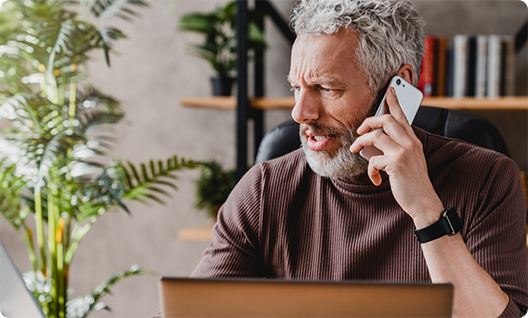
<point x="326" y="213"/>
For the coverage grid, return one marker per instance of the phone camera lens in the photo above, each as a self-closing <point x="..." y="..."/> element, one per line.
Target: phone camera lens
<point x="398" y="82"/>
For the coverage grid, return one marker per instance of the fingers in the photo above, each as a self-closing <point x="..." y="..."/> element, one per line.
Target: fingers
<point x="394" y="106"/>
<point x="394" y="125"/>
<point x="388" y="140"/>
<point x="374" y="171"/>
<point x="390" y="133"/>
<point x="378" y="138"/>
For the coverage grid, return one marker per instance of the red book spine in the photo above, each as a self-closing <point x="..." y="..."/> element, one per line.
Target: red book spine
<point x="427" y="67"/>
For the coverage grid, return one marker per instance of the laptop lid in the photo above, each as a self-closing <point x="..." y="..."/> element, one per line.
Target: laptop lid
<point x="15" y="298"/>
<point x="190" y="297"/>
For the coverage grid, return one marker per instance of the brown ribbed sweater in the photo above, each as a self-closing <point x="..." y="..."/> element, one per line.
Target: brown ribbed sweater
<point x="282" y="220"/>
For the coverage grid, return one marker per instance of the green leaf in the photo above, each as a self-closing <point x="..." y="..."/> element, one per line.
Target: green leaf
<point x="116" y="8"/>
<point x="143" y="186"/>
<point x="54" y="149"/>
<point x="134" y="172"/>
<point x="108" y="36"/>
<point x="213" y="186"/>
<point x="91" y="98"/>
<point x="219" y="30"/>
<point x="166" y="183"/>
<point x="153" y="168"/>
<point x="93" y="118"/>
<point x="198" y="22"/>
<point x="108" y="188"/>
<point x="145" y="175"/>
<point x="83" y="305"/>
<point x="12" y="206"/>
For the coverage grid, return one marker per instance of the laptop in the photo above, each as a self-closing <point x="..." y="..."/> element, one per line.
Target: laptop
<point x="15" y="298"/>
<point x="231" y="297"/>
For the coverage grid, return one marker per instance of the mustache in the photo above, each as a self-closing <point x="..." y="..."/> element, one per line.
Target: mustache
<point x="318" y="129"/>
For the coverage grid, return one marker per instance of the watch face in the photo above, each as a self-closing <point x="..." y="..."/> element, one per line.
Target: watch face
<point x="453" y="219"/>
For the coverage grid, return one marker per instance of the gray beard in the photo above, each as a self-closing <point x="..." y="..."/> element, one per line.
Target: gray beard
<point x="343" y="163"/>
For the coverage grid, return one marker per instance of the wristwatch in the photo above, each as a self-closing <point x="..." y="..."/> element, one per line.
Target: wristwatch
<point x="449" y="223"/>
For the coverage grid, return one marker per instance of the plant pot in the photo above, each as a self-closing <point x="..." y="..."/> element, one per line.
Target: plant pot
<point x="222" y="85"/>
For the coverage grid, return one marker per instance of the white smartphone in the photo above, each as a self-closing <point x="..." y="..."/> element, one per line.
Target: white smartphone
<point x="409" y="98"/>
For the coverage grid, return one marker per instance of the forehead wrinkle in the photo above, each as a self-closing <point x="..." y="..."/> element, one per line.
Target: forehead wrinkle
<point x="315" y="69"/>
<point x="330" y="81"/>
<point x="324" y="80"/>
<point x="317" y="80"/>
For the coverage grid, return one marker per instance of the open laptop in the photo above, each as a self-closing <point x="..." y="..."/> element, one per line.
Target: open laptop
<point x="190" y="297"/>
<point x="15" y="298"/>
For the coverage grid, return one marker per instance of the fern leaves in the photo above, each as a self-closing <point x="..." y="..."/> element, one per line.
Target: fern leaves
<point x="80" y="307"/>
<point x="11" y="199"/>
<point x="149" y="180"/>
<point x="116" y="8"/>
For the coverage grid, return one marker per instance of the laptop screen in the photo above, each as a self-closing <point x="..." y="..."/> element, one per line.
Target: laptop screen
<point x="15" y="298"/>
<point x="190" y="297"/>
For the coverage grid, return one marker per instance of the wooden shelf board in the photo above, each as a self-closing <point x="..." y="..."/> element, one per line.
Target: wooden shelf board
<point x="466" y="103"/>
<point x="273" y="103"/>
<point x="268" y="103"/>
<point x="229" y="103"/>
<point x="209" y="102"/>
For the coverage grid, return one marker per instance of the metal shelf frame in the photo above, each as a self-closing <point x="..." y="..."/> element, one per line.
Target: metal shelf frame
<point x="244" y="111"/>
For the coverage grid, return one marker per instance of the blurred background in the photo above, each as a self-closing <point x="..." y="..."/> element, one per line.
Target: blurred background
<point x="150" y="75"/>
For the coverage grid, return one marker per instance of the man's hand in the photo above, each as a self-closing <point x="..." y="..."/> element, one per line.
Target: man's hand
<point x="403" y="161"/>
<point x="447" y="258"/>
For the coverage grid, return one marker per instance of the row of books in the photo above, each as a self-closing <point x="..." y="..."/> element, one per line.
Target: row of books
<point x="473" y="66"/>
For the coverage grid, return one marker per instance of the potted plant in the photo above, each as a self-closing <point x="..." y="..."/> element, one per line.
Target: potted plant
<point x="220" y="44"/>
<point x="53" y="134"/>
<point x="213" y="186"/>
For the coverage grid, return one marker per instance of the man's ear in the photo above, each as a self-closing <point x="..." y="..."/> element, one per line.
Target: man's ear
<point x="407" y="73"/>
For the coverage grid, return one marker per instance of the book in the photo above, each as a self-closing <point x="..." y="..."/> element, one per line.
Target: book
<point x="494" y="66"/>
<point x="474" y="66"/>
<point x="471" y="66"/>
<point x="450" y="71"/>
<point x="460" y="64"/>
<point x="427" y="75"/>
<point x="507" y="66"/>
<point x="481" y="65"/>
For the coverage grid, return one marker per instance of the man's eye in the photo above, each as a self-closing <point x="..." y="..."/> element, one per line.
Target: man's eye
<point x="327" y="90"/>
<point x="295" y="89"/>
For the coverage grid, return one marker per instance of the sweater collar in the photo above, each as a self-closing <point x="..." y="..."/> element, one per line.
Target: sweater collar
<point x="362" y="183"/>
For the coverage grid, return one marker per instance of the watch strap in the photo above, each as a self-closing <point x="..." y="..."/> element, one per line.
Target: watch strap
<point x="449" y="223"/>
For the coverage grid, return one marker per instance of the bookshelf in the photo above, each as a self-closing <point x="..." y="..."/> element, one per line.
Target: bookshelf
<point x="270" y="103"/>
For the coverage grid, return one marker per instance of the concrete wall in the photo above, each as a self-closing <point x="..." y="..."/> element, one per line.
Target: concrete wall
<point x="152" y="72"/>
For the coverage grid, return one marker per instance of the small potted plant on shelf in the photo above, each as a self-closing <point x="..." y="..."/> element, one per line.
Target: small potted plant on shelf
<point x="220" y="44"/>
<point x="213" y="186"/>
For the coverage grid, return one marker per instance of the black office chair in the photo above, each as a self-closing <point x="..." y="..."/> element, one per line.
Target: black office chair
<point x="457" y="124"/>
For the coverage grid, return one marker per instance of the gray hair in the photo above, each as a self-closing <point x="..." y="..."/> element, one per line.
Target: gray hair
<point x="390" y="31"/>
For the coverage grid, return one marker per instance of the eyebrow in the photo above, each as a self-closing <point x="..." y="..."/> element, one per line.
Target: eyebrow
<point x="329" y="81"/>
<point x="322" y="81"/>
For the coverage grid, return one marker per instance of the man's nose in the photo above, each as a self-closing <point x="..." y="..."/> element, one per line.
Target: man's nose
<point x="306" y="107"/>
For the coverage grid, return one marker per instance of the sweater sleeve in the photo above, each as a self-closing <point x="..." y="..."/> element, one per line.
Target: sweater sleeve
<point x="496" y="235"/>
<point x="235" y="247"/>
